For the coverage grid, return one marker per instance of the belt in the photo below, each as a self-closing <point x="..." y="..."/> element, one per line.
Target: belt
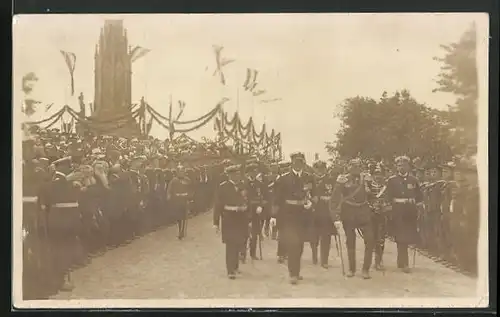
<point x="404" y="200"/>
<point x="324" y="198"/>
<point x="295" y="202"/>
<point x="30" y="199"/>
<point x="66" y="205"/>
<point x="235" y="208"/>
<point x="181" y="194"/>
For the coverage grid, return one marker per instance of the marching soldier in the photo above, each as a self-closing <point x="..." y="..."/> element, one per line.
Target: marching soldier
<point x="293" y="193"/>
<point x="135" y="196"/>
<point x="323" y="224"/>
<point x="231" y="217"/>
<point x="379" y="216"/>
<point x="179" y="194"/>
<point x="350" y="209"/>
<point x="275" y="221"/>
<point x="256" y="196"/>
<point x="403" y="192"/>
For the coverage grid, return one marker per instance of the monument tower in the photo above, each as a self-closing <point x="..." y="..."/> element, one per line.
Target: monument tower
<point x="113" y="82"/>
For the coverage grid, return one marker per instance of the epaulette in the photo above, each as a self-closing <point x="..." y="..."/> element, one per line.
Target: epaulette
<point x="342" y="179"/>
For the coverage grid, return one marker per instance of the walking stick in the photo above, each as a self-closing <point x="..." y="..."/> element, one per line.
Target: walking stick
<point x="340" y="253"/>
<point x="337" y="244"/>
<point x="259" y="238"/>
<point x="414" y="256"/>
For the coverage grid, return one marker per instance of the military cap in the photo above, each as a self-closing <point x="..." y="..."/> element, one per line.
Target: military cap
<point x="297" y="156"/>
<point x="319" y="164"/>
<point x="448" y="165"/>
<point x="402" y="159"/>
<point x="252" y="166"/>
<point x="232" y="169"/>
<point x="432" y="165"/>
<point x="355" y="161"/>
<point x="62" y="162"/>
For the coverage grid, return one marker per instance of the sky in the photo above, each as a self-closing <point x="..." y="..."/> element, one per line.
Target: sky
<point x="311" y="61"/>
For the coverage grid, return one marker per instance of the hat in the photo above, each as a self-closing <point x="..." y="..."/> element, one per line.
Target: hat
<point x="63" y="162"/>
<point x="232" y="169"/>
<point x="402" y="159"/>
<point x="253" y="166"/>
<point x="355" y="161"/>
<point x="297" y="156"/>
<point x="319" y="164"/>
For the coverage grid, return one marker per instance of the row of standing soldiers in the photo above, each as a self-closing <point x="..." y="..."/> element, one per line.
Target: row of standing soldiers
<point x="306" y="207"/>
<point x="74" y="212"/>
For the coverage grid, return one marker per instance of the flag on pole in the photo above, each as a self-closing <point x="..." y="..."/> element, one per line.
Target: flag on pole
<point x="70" y="59"/>
<point x="220" y="63"/>
<point x="47" y="107"/>
<point x="182" y="105"/>
<point x="250" y="80"/>
<point x="258" y="92"/>
<point x="138" y="52"/>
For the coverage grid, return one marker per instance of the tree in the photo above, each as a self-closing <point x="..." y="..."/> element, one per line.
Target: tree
<point x="459" y="76"/>
<point x="392" y="126"/>
<point x="29" y="104"/>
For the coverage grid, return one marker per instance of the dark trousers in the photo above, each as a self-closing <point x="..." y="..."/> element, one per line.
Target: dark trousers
<point x="323" y="242"/>
<point x="294" y="253"/>
<point x="367" y="232"/>
<point x="402" y="255"/>
<point x="181" y="225"/>
<point x="255" y="235"/>
<point x="379" y="232"/>
<point x="232" y="262"/>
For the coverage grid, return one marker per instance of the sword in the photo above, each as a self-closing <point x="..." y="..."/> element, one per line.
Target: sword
<point x="339" y="247"/>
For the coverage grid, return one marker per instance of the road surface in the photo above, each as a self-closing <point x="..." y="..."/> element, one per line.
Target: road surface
<point x="158" y="266"/>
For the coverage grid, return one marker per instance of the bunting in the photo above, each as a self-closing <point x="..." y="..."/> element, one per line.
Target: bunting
<point x="138" y="52"/>
<point x="70" y="59"/>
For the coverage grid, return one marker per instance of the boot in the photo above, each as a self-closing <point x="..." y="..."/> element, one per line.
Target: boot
<point x="350" y="274"/>
<point x="294" y="280"/>
<point x="365" y="275"/>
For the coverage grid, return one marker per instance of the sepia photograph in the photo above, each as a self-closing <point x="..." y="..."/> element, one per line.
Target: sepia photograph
<point x="250" y="160"/>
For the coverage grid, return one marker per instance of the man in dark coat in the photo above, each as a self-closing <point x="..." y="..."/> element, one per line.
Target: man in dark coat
<point x="323" y="227"/>
<point x="257" y="196"/>
<point x="231" y="217"/>
<point x="403" y="192"/>
<point x="293" y="204"/>
<point x="179" y="196"/>
<point x="350" y="205"/>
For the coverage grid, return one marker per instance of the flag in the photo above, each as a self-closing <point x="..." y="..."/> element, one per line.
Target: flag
<point x="47" y="107"/>
<point x="270" y="100"/>
<point x="220" y="63"/>
<point x="251" y="79"/>
<point x="182" y="105"/>
<point x="30" y="106"/>
<point x="258" y="93"/>
<point x="138" y="52"/>
<point x="70" y="59"/>
<point x="27" y="82"/>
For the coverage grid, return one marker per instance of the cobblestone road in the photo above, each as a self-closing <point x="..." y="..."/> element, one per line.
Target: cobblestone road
<point x="161" y="267"/>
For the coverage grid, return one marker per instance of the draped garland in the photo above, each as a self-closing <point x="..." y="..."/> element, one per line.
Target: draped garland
<point x="233" y="133"/>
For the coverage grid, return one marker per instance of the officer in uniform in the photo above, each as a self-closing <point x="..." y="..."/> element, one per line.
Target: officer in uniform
<point x="322" y="222"/>
<point x="275" y="222"/>
<point x="403" y="192"/>
<point x="293" y="204"/>
<point x="351" y="210"/>
<point x="179" y="194"/>
<point x="231" y="217"/>
<point x="379" y="207"/>
<point x="256" y="196"/>
<point x="135" y="196"/>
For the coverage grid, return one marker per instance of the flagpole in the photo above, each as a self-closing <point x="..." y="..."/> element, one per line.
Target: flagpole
<point x="171" y="126"/>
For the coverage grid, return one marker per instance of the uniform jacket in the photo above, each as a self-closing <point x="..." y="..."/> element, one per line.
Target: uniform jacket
<point x="231" y="211"/>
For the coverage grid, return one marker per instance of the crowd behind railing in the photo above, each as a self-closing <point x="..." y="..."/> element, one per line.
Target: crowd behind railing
<point x="98" y="207"/>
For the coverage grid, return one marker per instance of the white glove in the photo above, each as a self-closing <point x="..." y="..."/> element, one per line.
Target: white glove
<point x="259" y="210"/>
<point x="272" y="222"/>
<point x="308" y="205"/>
<point x="337" y="224"/>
